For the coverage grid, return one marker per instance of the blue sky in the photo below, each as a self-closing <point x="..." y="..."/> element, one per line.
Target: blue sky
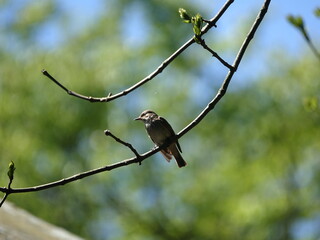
<point x="274" y="32"/>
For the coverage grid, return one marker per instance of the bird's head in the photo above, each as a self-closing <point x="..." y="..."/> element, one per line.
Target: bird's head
<point x="146" y="115"/>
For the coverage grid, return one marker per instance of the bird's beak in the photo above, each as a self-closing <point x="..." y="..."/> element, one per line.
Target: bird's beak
<point x="138" y="118"/>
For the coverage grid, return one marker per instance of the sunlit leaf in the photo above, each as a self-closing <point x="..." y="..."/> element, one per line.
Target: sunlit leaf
<point x="184" y="15"/>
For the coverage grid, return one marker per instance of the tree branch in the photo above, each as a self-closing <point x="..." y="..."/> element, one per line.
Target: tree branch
<point x="211" y="23"/>
<point x="6" y="193"/>
<point x="312" y="47"/>
<point x="139" y="158"/>
<point x="235" y="65"/>
<point x="108" y="133"/>
<point x="214" y="54"/>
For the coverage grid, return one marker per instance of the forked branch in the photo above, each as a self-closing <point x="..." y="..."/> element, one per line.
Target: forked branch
<point x="139" y="158"/>
<point x="210" y="23"/>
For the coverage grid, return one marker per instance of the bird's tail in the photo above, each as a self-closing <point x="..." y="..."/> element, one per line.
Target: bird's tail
<point x="179" y="159"/>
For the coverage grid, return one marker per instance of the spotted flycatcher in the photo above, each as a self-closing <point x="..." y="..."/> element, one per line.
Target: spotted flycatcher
<point x="160" y="131"/>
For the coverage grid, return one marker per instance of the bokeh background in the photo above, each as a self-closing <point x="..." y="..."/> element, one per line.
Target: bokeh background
<point x="253" y="164"/>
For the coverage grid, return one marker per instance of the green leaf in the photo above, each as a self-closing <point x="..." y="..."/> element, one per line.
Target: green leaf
<point x="11" y="170"/>
<point x="197" y="24"/>
<point x="299" y="24"/>
<point x="296" y="21"/>
<point x="184" y="15"/>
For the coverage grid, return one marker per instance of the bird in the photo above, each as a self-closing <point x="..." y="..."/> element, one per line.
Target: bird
<point x="160" y="131"/>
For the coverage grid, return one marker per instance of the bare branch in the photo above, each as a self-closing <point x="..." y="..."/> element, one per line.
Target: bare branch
<point x="311" y="45"/>
<point x="108" y="133"/>
<point x="214" y="54"/>
<point x="85" y="174"/>
<point x="251" y="33"/>
<point x="6" y="193"/>
<point x="72" y="93"/>
<point x="232" y="70"/>
<point x="211" y="23"/>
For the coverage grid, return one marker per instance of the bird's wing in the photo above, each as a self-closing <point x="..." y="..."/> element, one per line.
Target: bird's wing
<point x="171" y="131"/>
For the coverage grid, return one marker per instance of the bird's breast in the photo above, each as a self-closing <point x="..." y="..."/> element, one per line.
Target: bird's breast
<point x="157" y="132"/>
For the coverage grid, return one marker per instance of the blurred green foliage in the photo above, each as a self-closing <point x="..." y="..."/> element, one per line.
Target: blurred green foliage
<point x="253" y="164"/>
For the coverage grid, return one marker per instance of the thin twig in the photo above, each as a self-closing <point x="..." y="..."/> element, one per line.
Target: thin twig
<point x="79" y="176"/>
<point x="72" y="93"/>
<point x="312" y="47"/>
<point x="7" y="193"/>
<point x="108" y="133"/>
<point x="211" y="23"/>
<point x="214" y="54"/>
